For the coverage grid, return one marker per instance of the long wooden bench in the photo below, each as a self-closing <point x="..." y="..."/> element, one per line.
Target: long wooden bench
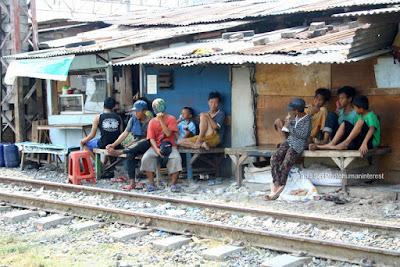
<point x="98" y="152"/>
<point x="192" y="155"/>
<point x="342" y="158"/>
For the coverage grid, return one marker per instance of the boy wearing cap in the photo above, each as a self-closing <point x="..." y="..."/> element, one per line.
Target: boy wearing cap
<point x="212" y="126"/>
<point x="161" y="129"/>
<point x="110" y="127"/>
<point x="137" y="126"/>
<point x="299" y="128"/>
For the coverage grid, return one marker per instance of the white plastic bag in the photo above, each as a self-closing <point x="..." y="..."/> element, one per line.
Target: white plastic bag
<point x="323" y="175"/>
<point x="253" y="174"/>
<point x="297" y="181"/>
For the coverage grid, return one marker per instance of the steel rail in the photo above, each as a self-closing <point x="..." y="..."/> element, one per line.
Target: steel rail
<point x="264" y="239"/>
<point x="293" y="217"/>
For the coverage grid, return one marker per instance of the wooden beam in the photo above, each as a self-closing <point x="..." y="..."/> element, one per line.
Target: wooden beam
<point x="19" y="109"/>
<point x="5" y="9"/>
<point x="29" y="94"/>
<point x="35" y="35"/>
<point x="5" y="40"/>
<point x="9" y="123"/>
<point x="8" y="94"/>
<point x="15" y="27"/>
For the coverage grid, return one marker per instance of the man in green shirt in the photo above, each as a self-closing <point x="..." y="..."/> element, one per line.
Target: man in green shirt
<point x="363" y="135"/>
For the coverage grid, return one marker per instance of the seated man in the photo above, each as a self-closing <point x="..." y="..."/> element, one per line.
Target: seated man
<point x="363" y="135"/>
<point x="137" y="125"/>
<point x="316" y="111"/>
<point x="212" y="126"/>
<point x="110" y="127"/>
<point x="186" y="127"/>
<point x="161" y="129"/>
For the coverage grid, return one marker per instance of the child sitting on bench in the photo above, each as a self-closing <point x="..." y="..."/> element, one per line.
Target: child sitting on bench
<point x="363" y="135"/>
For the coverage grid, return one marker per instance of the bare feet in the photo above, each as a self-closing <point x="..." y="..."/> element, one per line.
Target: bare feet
<point x="205" y="146"/>
<point x="113" y="152"/>
<point x="312" y="147"/>
<point x="328" y="146"/>
<point x="340" y="146"/>
<point x="196" y="145"/>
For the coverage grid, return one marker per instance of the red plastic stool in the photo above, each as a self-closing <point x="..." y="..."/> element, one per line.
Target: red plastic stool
<point x="75" y="175"/>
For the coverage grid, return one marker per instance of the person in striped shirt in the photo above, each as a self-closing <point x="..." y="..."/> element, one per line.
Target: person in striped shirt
<point x="299" y="128"/>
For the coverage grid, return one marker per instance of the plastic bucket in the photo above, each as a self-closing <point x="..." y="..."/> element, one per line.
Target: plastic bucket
<point x="2" y="164"/>
<point x="11" y="156"/>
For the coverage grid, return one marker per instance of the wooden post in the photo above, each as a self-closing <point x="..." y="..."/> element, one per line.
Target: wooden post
<point x="35" y="35"/>
<point x="19" y="109"/>
<point x="39" y="96"/>
<point x="110" y="81"/>
<point x="16" y="27"/>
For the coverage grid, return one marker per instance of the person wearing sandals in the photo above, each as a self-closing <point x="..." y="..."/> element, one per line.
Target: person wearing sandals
<point x="299" y="127"/>
<point x="161" y="129"/>
<point x="137" y="126"/>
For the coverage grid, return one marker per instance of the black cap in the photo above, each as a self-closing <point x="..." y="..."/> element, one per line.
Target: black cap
<point x="296" y="104"/>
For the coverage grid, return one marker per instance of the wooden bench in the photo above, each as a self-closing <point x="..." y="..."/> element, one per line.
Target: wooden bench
<point x="342" y="158"/>
<point x="39" y="148"/>
<point x="98" y="152"/>
<point x="192" y="155"/>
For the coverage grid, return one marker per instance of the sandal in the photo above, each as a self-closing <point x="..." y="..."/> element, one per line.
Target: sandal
<point x="175" y="189"/>
<point x="149" y="188"/>
<point x="119" y="179"/>
<point x="127" y="188"/>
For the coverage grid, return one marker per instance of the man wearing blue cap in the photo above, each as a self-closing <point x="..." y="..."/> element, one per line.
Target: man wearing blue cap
<point x="137" y="126"/>
<point x="298" y="125"/>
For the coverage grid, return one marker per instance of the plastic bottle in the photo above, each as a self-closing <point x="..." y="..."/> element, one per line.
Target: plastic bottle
<point x="11" y="157"/>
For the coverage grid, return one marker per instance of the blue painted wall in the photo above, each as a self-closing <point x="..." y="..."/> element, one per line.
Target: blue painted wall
<point x="192" y="86"/>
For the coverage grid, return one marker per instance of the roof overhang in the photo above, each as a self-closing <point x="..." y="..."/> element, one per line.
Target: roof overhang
<point x="55" y="68"/>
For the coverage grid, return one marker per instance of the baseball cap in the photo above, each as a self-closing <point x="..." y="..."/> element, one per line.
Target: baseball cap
<point x="296" y="104"/>
<point x="139" y="105"/>
<point x="158" y="105"/>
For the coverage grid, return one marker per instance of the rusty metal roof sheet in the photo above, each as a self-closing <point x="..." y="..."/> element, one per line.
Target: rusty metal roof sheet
<point x="122" y="36"/>
<point x="235" y="10"/>
<point x="379" y="11"/>
<point x="344" y="46"/>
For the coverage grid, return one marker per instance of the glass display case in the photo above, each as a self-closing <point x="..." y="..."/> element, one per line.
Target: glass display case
<point x="71" y="104"/>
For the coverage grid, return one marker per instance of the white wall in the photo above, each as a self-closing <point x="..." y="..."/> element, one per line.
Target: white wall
<point x="242" y="108"/>
<point x="387" y="74"/>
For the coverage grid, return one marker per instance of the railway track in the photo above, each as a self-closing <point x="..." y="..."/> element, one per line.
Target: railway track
<point x="261" y="238"/>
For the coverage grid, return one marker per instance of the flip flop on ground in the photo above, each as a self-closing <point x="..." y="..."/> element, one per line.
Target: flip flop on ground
<point x="127" y="187"/>
<point x="175" y="189"/>
<point x="149" y="188"/>
<point x="117" y="180"/>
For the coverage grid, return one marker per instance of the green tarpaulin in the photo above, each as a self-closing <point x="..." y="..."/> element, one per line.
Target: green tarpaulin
<point x="53" y="68"/>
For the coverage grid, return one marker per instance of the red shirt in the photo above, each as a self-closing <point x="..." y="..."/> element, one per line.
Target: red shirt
<point x="156" y="132"/>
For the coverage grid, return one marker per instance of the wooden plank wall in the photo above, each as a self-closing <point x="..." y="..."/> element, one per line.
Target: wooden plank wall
<point x="278" y="84"/>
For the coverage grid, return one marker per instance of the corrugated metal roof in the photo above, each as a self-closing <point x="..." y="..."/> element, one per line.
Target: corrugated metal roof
<point x="234" y="10"/>
<point x="120" y="36"/>
<point x="229" y="59"/>
<point x="338" y="47"/>
<point x="379" y="11"/>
